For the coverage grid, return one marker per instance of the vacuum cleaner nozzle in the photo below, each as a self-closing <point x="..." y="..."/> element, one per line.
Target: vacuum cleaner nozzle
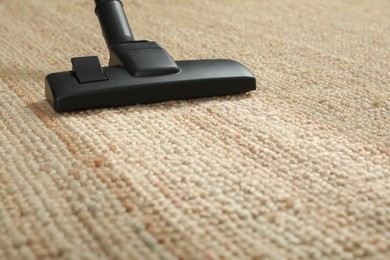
<point x="139" y="72"/>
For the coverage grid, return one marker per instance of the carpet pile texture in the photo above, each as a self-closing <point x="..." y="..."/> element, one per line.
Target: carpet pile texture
<point x="298" y="168"/>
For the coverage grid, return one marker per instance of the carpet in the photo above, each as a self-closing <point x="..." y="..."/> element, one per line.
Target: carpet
<point x="298" y="168"/>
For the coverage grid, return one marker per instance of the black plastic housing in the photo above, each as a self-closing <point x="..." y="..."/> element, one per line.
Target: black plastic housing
<point x="201" y="78"/>
<point x="143" y="59"/>
<point x="139" y="72"/>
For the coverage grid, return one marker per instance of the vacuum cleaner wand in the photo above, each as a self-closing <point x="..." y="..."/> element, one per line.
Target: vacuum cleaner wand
<point x="113" y="21"/>
<point x="139" y="72"/>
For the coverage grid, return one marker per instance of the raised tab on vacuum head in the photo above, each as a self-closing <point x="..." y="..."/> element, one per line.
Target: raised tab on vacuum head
<point x="88" y="69"/>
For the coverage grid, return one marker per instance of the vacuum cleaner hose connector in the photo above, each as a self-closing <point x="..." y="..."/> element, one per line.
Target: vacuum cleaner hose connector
<point x="113" y="21"/>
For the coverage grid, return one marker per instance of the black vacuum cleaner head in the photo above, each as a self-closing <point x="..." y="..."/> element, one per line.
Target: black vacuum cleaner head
<point x="139" y="72"/>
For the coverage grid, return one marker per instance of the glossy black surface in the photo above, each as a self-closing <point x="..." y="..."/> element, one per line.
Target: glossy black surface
<point x="139" y="72"/>
<point x="201" y="78"/>
<point x="143" y="59"/>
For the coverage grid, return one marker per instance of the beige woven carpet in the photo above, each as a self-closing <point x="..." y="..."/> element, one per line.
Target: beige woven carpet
<point x="298" y="168"/>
